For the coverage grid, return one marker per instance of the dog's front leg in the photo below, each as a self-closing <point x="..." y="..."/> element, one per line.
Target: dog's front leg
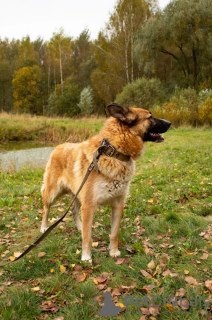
<point x="117" y="212"/>
<point x="87" y="219"/>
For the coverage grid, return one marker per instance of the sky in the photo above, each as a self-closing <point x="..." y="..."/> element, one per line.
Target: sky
<point x="19" y="18"/>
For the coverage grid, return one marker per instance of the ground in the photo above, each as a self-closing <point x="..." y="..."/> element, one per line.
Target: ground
<point x="165" y="243"/>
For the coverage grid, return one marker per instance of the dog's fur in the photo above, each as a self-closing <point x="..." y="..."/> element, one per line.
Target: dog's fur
<point x="126" y="130"/>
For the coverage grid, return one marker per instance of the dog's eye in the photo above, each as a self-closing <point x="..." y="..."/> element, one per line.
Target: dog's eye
<point x="150" y="117"/>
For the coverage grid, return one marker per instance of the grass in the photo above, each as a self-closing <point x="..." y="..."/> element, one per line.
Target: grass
<point x="16" y="127"/>
<point x="166" y="223"/>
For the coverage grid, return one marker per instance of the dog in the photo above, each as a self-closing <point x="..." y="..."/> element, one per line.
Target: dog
<point x="124" y="135"/>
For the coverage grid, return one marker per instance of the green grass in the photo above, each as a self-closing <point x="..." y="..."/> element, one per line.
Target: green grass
<point x="170" y="196"/>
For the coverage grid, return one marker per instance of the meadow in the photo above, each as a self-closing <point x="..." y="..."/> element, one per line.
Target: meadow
<point x="165" y="242"/>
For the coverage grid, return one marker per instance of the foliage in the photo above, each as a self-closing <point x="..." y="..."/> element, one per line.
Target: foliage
<point x="143" y="93"/>
<point x="186" y="107"/>
<point x="176" y="45"/>
<point x="27" y="86"/>
<point x="86" y="101"/>
<point x="65" y="101"/>
<point x="114" y="48"/>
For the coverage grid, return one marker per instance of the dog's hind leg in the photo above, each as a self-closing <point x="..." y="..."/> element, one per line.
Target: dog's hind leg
<point x="75" y="212"/>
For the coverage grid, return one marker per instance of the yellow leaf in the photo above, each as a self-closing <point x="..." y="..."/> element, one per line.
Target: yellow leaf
<point x="186" y="272"/>
<point x="156" y="270"/>
<point x="35" y="289"/>
<point x="151" y="265"/>
<point x="190" y="253"/>
<point x="77" y="252"/>
<point x="121" y="305"/>
<point x="95" y="244"/>
<point x="170" y="307"/>
<point x="201" y="183"/>
<point x="151" y="200"/>
<point x="12" y="258"/>
<point x="51" y="270"/>
<point x="62" y="269"/>
<point x="26" y="219"/>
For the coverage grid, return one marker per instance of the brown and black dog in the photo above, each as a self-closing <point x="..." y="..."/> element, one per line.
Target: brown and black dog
<point x="126" y="130"/>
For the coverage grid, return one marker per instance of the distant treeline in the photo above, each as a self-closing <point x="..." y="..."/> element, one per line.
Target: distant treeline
<point x="139" y="44"/>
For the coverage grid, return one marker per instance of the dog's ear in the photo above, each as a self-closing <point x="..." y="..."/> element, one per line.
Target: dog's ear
<point x="122" y="113"/>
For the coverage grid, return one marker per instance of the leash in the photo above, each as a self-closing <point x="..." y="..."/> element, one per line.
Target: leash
<point x="109" y="151"/>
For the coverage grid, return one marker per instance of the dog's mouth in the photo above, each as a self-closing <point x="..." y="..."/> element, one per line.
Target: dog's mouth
<point x="157" y="127"/>
<point x="154" y="137"/>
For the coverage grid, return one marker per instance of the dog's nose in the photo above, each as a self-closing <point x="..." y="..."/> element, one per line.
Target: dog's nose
<point x="167" y="123"/>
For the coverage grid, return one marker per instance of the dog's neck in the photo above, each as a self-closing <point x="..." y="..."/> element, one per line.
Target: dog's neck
<point x="121" y="137"/>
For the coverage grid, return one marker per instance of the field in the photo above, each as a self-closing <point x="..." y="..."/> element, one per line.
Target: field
<point x="165" y="241"/>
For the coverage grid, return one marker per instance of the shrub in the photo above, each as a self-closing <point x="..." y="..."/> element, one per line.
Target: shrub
<point x="143" y="93"/>
<point x="205" y="112"/>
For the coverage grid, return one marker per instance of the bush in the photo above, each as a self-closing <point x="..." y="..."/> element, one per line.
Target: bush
<point x="205" y="112"/>
<point x="143" y="93"/>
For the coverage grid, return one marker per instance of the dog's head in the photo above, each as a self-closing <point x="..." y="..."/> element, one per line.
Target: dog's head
<point x="140" y="121"/>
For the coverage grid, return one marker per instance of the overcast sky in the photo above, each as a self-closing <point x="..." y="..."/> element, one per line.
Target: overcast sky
<point x="35" y="18"/>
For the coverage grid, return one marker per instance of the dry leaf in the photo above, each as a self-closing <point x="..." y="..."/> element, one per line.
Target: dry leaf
<point x="81" y="276"/>
<point x="204" y="256"/>
<point x="170" y="307"/>
<point x="155" y="311"/>
<point x="35" y="289"/>
<point x="145" y="311"/>
<point x="151" y="265"/>
<point x="95" y="244"/>
<point x="17" y="254"/>
<point x="186" y="271"/>
<point x="191" y="281"/>
<point x="41" y="254"/>
<point x="208" y="284"/>
<point x="183" y="304"/>
<point x="148" y="287"/>
<point x="101" y="279"/>
<point x="180" y="292"/>
<point x="145" y="274"/>
<point x="116" y="292"/>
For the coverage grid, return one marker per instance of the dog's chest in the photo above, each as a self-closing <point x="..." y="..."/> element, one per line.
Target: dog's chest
<point x="105" y="191"/>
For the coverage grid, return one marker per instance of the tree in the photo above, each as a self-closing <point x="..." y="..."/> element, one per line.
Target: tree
<point x="182" y="33"/>
<point x="86" y="101"/>
<point x="114" y="49"/>
<point x="26" y="90"/>
<point x="83" y="61"/>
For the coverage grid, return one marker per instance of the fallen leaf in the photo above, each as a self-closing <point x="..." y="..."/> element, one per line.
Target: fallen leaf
<point x="129" y="249"/>
<point x="183" y="304"/>
<point x="155" y="311"/>
<point x="78" y="251"/>
<point x="62" y="268"/>
<point x="208" y="284"/>
<point x="101" y="279"/>
<point x="59" y="318"/>
<point x="148" y="287"/>
<point x="41" y="254"/>
<point x="17" y="254"/>
<point x="122" y="260"/>
<point x="191" y="281"/>
<point x="81" y="276"/>
<point x="116" y="292"/>
<point x="151" y="265"/>
<point x="204" y="256"/>
<point x="145" y="274"/>
<point x="180" y="292"/>
<point x="35" y="289"/>
<point x="186" y="271"/>
<point x="145" y="311"/>
<point x="101" y="286"/>
<point x="95" y="244"/>
<point x="170" y="307"/>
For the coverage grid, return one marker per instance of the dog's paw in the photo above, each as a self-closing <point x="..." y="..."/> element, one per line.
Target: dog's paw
<point x="43" y="229"/>
<point x="87" y="258"/>
<point x="115" y="253"/>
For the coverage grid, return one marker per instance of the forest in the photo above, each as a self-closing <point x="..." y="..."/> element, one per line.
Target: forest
<point x="144" y="57"/>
